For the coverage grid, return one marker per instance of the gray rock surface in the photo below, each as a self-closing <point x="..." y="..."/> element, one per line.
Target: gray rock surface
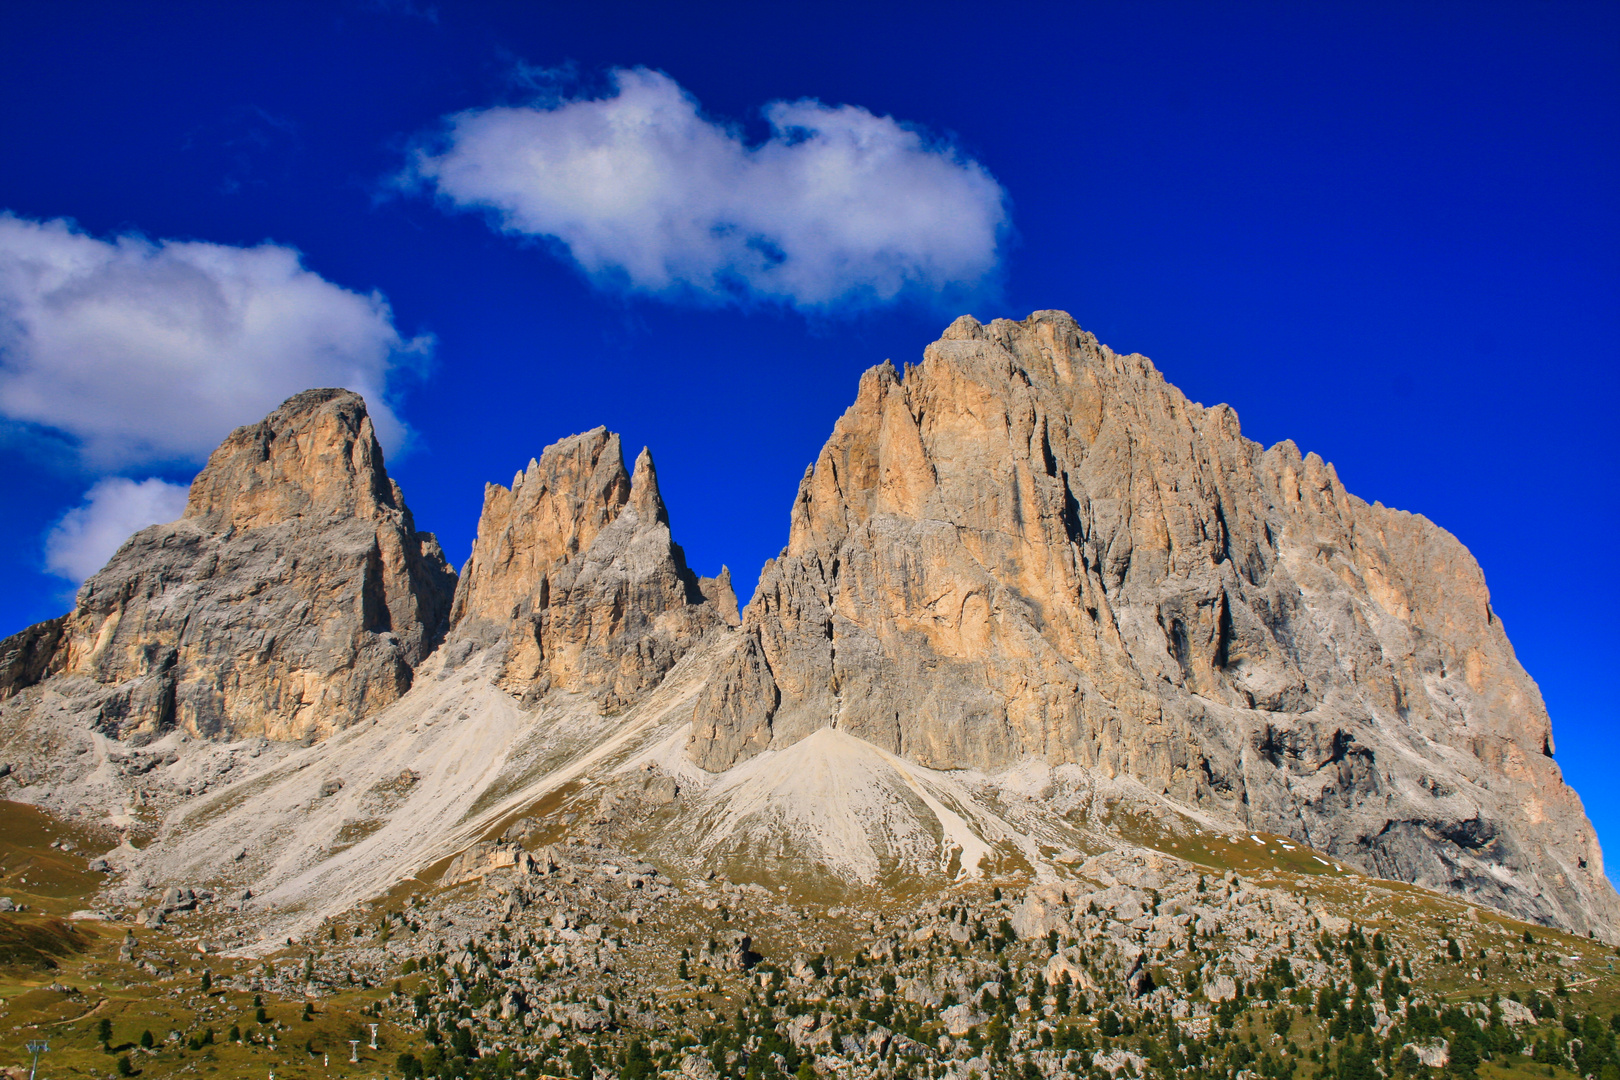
<point x="574" y="571"/>
<point x="292" y="598"/>
<point x="1030" y="546"/>
<point x="26" y="657"/>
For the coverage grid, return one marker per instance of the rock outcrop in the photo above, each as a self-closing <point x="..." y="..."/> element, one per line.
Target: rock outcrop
<point x="1029" y="546"/>
<point x="292" y="598"/>
<point x="575" y="573"/>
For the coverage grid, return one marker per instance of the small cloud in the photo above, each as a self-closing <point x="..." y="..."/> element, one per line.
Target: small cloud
<point x="114" y="510"/>
<point x="839" y="208"/>
<point x="146" y="351"/>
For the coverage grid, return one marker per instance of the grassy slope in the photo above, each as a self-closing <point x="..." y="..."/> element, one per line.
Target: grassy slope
<point x="64" y="977"/>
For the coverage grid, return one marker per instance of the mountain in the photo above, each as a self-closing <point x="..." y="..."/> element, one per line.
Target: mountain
<point x="1035" y="606"/>
<point x="575" y="573"/>
<point x="1029" y="546"/>
<point x="293" y="598"/>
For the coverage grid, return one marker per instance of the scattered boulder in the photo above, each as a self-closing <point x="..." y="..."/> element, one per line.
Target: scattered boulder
<point x="176" y="898"/>
<point x="581" y="1017"/>
<point x="486" y="857"/>
<point x="960" y="1019"/>
<point x="1060" y="965"/>
<point x="1045" y="908"/>
<point x="520" y="830"/>
<point x="1435" y="1052"/>
<point x="1516" y="1014"/>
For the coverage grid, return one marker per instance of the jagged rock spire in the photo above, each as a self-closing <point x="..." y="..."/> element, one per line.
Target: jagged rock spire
<point x="575" y="573"/>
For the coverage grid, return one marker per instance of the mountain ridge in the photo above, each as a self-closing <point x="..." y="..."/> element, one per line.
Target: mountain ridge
<point x="1027" y="564"/>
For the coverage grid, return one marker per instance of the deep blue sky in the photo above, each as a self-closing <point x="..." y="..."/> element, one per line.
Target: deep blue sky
<point x="1389" y="233"/>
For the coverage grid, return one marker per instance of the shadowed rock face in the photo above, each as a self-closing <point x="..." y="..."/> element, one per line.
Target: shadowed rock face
<point x="575" y="572"/>
<point x="1031" y="546"/>
<point x="292" y="598"/>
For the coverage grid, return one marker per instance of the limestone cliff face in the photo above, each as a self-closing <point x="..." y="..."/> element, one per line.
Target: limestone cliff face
<point x="574" y="570"/>
<point x="292" y="598"/>
<point x="1031" y="546"/>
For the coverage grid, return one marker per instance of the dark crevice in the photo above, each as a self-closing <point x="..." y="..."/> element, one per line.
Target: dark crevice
<point x="688" y="579"/>
<point x="1179" y="647"/>
<point x="1071" y="512"/>
<point x="1224" y="552"/>
<point x="1046" y="453"/>
<point x="374" y="614"/>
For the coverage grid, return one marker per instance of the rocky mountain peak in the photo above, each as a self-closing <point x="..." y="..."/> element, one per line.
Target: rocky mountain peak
<point x="1031" y="547"/>
<point x="293" y="597"/>
<point x="552" y="512"/>
<point x="644" y="496"/>
<point x="316" y="455"/>
<point x="574" y="573"/>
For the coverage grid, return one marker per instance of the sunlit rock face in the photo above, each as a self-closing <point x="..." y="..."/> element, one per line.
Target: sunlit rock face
<point x="292" y="598"/>
<point x="574" y="571"/>
<point x="1027" y="585"/>
<point x="1028" y="545"/>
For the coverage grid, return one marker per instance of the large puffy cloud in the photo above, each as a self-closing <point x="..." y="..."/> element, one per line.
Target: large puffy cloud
<point x="837" y="208"/>
<point x="144" y="351"/>
<point x="113" y="510"/>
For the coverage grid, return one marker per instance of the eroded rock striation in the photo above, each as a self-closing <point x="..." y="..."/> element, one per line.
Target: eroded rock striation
<point x="292" y="598"/>
<point x="575" y="573"/>
<point x="1030" y="546"/>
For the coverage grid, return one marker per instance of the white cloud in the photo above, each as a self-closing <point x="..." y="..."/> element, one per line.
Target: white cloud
<point x="113" y="511"/>
<point x="147" y="351"/>
<point x="839" y="207"/>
